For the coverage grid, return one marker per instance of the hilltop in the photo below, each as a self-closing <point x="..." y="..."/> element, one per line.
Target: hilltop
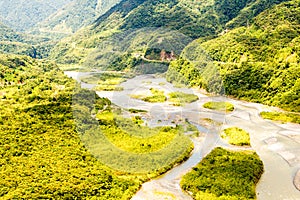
<point x="73" y="16"/>
<point x="21" y="15"/>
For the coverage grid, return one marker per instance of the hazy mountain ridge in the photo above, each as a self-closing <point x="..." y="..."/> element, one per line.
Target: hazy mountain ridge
<point x="21" y="15"/>
<point x="75" y="15"/>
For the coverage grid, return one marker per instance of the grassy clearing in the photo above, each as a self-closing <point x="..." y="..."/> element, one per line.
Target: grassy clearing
<point x="65" y="67"/>
<point x="126" y="139"/>
<point x="224" y="175"/>
<point x="281" y="116"/>
<point x="180" y="98"/>
<point x="106" y="81"/>
<point x="219" y="106"/>
<point x="236" y="136"/>
<point x="157" y="96"/>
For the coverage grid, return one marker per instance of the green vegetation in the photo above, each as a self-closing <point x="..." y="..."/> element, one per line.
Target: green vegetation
<point x="133" y="110"/>
<point x="152" y="28"/>
<point x="12" y="42"/>
<point x="177" y="98"/>
<point x="180" y="98"/>
<point x="125" y="144"/>
<point x="282" y="116"/>
<point x="45" y="146"/>
<point x="42" y="155"/>
<point x="236" y="136"/>
<point x="257" y="62"/>
<point x="157" y="96"/>
<point x="224" y="174"/>
<point x="132" y="137"/>
<point x="219" y="106"/>
<point x="23" y="15"/>
<point x="73" y="16"/>
<point x="108" y="81"/>
<point x="191" y="129"/>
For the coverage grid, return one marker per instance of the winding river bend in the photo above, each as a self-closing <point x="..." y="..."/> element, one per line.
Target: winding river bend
<point x="278" y="145"/>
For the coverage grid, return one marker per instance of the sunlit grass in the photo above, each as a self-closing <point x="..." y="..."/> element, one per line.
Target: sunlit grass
<point x="219" y="106"/>
<point x="281" y="116"/>
<point x="127" y="145"/>
<point x="180" y="98"/>
<point x="106" y="81"/>
<point x="236" y="136"/>
<point x="156" y="96"/>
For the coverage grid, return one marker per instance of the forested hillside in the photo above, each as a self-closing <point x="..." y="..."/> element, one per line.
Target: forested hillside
<point x="253" y="44"/>
<point x="193" y="19"/>
<point x="258" y="62"/>
<point x="13" y="42"/>
<point x="74" y="15"/>
<point x="22" y="15"/>
<point x="41" y="154"/>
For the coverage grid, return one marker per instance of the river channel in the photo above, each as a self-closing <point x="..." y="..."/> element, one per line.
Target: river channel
<point x="278" y="145"/>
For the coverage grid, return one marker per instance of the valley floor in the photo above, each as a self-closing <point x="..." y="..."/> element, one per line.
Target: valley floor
<point x="276" y="144"/>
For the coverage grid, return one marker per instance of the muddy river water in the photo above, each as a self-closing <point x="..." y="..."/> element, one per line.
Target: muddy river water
<point x="278" y="145"/>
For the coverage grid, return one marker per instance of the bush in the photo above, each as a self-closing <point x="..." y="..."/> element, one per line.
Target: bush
<point x="180" y="98"/>
<point x="236" y="136"/>
<point x="224" y="174"/>
<point x="282" y="116"/>
<point x="219" y="106"/>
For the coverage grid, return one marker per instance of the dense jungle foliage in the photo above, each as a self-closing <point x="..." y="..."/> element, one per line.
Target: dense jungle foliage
<point x="259" y="62"/>
<point x="59" y="141"/>
<point x="41" y="154"/>
<point x="193" y="19"/>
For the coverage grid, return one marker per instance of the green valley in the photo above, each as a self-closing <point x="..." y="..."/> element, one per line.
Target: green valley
<point x="149" y="99"/>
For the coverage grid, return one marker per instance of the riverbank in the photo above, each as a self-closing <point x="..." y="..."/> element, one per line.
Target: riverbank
<point x="277" y="145"/>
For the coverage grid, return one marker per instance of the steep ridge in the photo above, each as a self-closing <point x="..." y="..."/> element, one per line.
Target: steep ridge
<point x="258" y="62"/>
<point x="73" y="16"/>
<point x="192" y="18"/>
<point x="254" y="44"/>
<point x="21" y="15"/>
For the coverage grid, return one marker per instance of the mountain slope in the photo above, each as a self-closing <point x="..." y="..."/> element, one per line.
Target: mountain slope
<point x="22" y="15"/>
<point x="75" y="15"/>
<point x="12" y="42"/>
<point x="194" y="19"/>
<point x="259" y="62"/>
<point x="253" y="44"/>
<point x="191" y="18"/>
<point x="42" y="155"/>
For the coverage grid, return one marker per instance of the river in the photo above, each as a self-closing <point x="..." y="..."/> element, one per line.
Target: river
<point x="278" y="145"/>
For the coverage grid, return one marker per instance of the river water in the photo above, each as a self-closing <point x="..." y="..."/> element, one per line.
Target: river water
<point x="277" y="145"/>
